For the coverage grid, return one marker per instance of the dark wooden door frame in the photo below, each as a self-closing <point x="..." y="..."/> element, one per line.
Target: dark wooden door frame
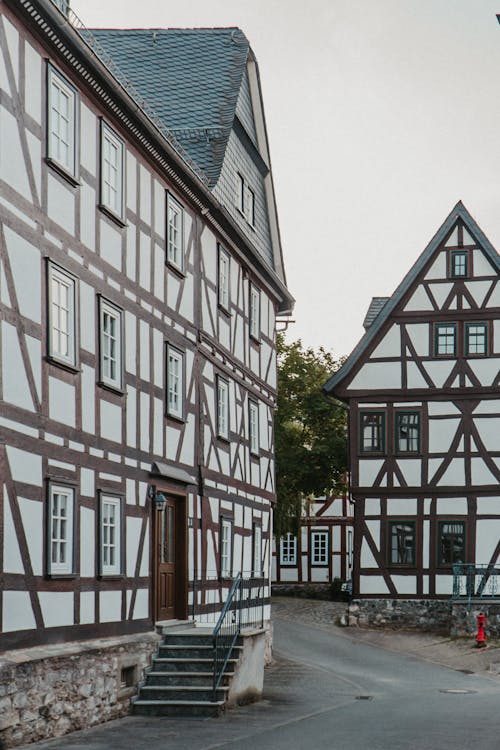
<point x="181" y="550"/>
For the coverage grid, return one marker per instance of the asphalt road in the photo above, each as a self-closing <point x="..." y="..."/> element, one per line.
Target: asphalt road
<point x="326" y="691"/>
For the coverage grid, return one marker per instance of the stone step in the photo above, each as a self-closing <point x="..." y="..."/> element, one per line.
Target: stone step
<point x="166" y="664"/>
<point x="189" y="693"/>
<point x="194" y="709"/>
<point x="184" y="678"/>
<point x="165" y="627"/>
<point x="192" y="638"/>
<point x="188" y="651"/>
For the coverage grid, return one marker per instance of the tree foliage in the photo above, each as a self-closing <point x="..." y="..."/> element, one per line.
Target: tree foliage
<point x="310" y="432"/>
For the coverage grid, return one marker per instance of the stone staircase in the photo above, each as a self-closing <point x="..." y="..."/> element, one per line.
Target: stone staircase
<point x="180" y="679"/>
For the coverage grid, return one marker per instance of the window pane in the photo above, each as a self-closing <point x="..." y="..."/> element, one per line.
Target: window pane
<point x="372" y="432"/>
<point x="402" y="540"/>
<point x="476" y="338"/>
<point x="445" y="339"/>
<point x="408" y="432"/>
<point x="451" y="543"/>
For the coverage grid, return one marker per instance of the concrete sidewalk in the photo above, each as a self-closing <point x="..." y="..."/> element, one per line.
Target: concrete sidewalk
<point x="457" y="653"/>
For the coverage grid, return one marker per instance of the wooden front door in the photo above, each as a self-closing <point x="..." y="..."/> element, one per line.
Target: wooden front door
<point x="165" y="561"/>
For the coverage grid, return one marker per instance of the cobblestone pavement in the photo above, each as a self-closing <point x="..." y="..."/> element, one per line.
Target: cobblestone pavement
<point x="457" y="653"/>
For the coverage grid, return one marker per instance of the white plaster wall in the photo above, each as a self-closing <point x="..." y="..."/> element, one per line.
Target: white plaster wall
<point x="487" y="536"/>
<point x="87" y="308"/>
<point x="488" y="505"/>
<point x="133" y="535"/>
<point x="481" y="264"/>
<point x="15" y="383"/>
<point x="289" y="575"/>
<point x="12" y="561"/>
<point x="141" y="609"/>
<point x="405" y="585"/>
<point x="111" y="243"/>
<point x="26" y="271"/>
<point x="130" y="343"/>
<point x="61" y="401"/>
<point x="88" y="378"/>
<point x="61" y="203"/>
<point x="33" y="83"/>
<point x="401" y="506"/>
<point x="440" y="292"/>
<point x="11" y="155"/>
<point x="372" y="506"/>
<point x="377" y="375"/>
<point x="419" y="301"/>
<point x="486" y="370"/>
<point x="24" y="466"/>
<point x="57" y="608"/>
<point x="411" y="468"/>
<point x="438" y="267"/>
<point x="32" y="518"/>
<point x="145" y="195"/>
<point x="446" y="506"/>
<point x="144" y="350"/>
<point x="372" y="585"/>
<point x="110" y="605"/>
<point x="111" y="421"/>
<point x="481" y="474"/>
<point x="439" y="370"/>
<point x="444" y="585"/>
<point x="87" y="607"/>
<point x="145" y="261"/>
<point x="390" y="346"/>
<point x="87" y="544"/>
<point x="425" y="544"/>
<point x="368" y="470"/>
<point x="17" y="611"/>
<point x="441" y="434"/>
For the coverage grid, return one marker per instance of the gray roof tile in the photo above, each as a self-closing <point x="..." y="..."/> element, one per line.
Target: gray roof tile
<point x="190" y="77"/>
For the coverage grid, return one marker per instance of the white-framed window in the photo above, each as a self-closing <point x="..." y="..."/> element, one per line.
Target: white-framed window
<point x="319" y="547"/>
<point x="175" y="233"/>
<point x="112" y="169"/>
<point x="226" y="547"/>
<point x="61" y="122"/>
<point x="254" y="312"/>
<point x="61" y="531"/>
<point x="110" y="344"/>
<point x="253" y="426"/>
<point x="175" y="382"/>
<point x="257" y="562"/>
<point x="222" y="408"/>
<point x="61" y="315"/>
<point x="110" y="542"/>
<point x="224" y="278"/>
<point x="288" y="550"/>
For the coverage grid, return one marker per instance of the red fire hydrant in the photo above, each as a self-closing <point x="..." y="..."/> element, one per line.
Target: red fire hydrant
<point x="480" y="637"/>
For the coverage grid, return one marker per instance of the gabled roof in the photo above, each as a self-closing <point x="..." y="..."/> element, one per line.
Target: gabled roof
<point x="458" y="212"/>
<point x="190" y="77"/>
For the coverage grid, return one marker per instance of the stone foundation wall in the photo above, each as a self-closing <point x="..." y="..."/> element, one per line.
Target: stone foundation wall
<point x="52" y="690"/>
<point x="464" y="618"/>
<point x="411" y="614"/>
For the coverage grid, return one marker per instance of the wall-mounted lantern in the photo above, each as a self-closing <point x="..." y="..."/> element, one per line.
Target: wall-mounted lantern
<point x="157" y="498"/>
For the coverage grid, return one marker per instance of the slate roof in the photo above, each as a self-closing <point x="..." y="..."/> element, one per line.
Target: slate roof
<point x="376" y="305"/>
<point x="190" y="77"/>
<point x="458" y="212"/>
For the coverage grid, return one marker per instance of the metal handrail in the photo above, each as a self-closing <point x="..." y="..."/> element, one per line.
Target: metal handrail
<point x="226" y="631"/>
<point x="472" y="581"/>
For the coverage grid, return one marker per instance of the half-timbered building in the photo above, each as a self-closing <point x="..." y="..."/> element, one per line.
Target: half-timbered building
<point x="141" y="274"/>
<point x="423" y="390"/>
<point x="321" y="551"/>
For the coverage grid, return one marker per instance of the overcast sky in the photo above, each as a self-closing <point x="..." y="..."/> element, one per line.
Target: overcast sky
<point x="381" y="114"/>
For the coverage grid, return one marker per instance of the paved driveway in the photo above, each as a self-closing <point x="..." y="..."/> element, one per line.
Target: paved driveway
<point x="328" y="691"/>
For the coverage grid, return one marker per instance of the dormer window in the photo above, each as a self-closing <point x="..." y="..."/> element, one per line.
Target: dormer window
<point x="245" y="199"/>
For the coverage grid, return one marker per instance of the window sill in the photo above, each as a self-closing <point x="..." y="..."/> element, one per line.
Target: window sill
<point x="224" y="310"/>
<point x="255" y="340"/>
<point x="111" y="576"/>
<point x="177" y="270"/>
<point x="117" y="389"/>
<point x="223" y="439"/>
<point x="74" y="368"/>
<point x="62" y="172"/>
<point x="60" y="576"/>
<point x="116" y="218"/>
<point x="255" y="455"/>
<point x="179" y="419"/>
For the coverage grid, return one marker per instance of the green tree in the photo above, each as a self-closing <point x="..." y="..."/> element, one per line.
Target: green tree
<point x="310" y="432"/>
